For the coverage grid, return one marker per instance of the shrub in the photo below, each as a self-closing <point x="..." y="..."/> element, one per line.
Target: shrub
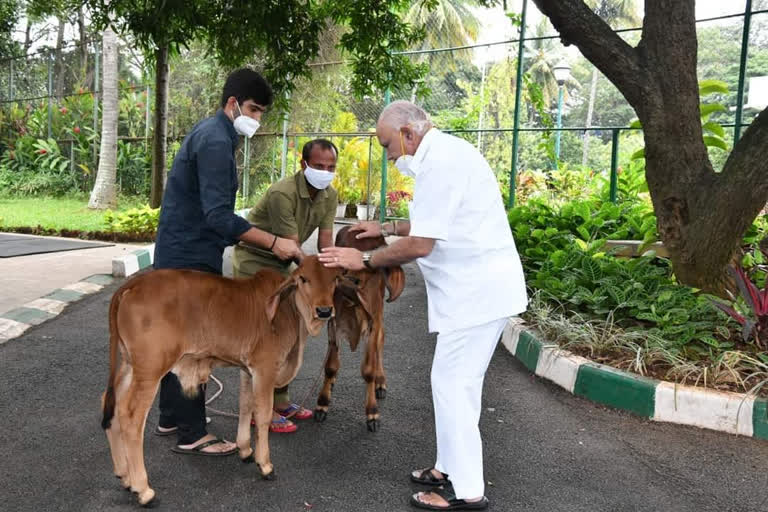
<point x="136" y="221"/>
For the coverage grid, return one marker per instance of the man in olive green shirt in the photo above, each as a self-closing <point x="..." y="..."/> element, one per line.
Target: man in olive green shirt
<point x="293" y="208"/>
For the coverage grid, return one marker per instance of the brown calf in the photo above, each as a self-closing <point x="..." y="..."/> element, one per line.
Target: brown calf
<point x="359" y="305"/>
<point x="189" y="322"/>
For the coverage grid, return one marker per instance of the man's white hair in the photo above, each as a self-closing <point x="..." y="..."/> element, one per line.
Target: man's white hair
<point x="404" y="113"/>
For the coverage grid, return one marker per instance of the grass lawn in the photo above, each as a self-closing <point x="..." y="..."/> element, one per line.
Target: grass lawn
<point x="57" y="213"/>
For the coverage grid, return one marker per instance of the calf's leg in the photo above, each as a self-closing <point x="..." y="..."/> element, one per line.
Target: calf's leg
<point x="263" y="402"/>
<point x="332" y="365"/>
<point x="244" y="419"/>
<point x="133" y="418"/>
<point x="114" y="432"/>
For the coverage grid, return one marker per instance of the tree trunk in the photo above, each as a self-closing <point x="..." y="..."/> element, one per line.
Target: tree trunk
<point x="58" y="69"/>
<point x="590" y="112"/>
<point x="27" y="37"/>
<point x="83" y="46"/>
<point x="701" y="215"/>
<point x="159" y="141"/>
<point x="104" y="193"/>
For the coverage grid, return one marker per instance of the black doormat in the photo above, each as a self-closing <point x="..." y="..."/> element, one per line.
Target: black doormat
<point x="14" y="245"/>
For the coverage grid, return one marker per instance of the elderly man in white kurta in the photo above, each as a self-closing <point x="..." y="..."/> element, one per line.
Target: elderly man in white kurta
<point x="460" y="237"/>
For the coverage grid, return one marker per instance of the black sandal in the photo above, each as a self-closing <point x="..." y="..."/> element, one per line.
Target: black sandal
<point x="427" y="478"/>
<point x="454" y="503"/>
<point x="198" y="450"/>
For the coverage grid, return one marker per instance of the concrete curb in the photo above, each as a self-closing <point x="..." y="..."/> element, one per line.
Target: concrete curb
<point x="15" y="322"/>
<point x="735" y="413"/>
<point x="124" y="266"/>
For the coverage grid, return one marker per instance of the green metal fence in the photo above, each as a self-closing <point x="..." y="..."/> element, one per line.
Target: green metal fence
<point x="466" y="100"/>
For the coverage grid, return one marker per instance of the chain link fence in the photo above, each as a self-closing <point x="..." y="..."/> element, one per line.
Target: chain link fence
<point x="50" y="108"/>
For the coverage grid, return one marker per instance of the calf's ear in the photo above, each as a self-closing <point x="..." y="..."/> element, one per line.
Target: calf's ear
<point x="395" y="282"/>
<point x="286" y="288"/>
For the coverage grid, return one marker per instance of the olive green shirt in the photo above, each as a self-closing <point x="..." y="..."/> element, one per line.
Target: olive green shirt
<point x="285" y="210"/>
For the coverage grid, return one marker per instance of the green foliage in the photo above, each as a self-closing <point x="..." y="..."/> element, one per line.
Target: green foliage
<point x="136" y="221"/>
<point x="133" y="168"/>
<point x="9" y="13"/>
<point x="541" y="229"/>
<point x="637" y="293"/>
<point x="564" y="255"/>
<point x="36" y="167"/>
<point x="286" y="32"/>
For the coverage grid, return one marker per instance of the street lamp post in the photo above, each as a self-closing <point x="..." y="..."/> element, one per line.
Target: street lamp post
<point x="562" y="72"/>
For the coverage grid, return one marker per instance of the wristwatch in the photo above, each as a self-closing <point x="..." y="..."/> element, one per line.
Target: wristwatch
<point x="367" y="255"/>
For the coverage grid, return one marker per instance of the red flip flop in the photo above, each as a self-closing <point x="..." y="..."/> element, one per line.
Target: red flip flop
<point x="295" y="411"/>
<point x="282" y="426"/>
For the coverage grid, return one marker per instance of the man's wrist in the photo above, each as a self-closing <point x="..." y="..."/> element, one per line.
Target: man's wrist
<point x="385" y="232"/>
<point x="367" y="257"/>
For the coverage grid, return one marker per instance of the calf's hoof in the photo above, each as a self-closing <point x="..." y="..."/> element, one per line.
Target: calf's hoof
<point x="267" y="472"/>
<point x="320" y="415"/>
<point x="373" y="425"/>
<point x="147" y="498"/>
<point x="381" y="393"/>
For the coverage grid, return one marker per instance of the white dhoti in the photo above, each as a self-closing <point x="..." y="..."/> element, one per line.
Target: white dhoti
<point x="458" y="369"/>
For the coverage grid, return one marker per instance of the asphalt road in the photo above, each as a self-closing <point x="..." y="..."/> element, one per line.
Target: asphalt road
<point x="545" y="450"/>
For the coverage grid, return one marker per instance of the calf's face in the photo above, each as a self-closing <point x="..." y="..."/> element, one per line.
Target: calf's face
<point x="312" y="286"/>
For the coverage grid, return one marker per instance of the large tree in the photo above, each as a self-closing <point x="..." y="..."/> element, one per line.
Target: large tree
<point x="286" y="32"/>
<point x="702" y="215"/>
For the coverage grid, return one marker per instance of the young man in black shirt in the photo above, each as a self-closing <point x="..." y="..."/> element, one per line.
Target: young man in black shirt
<point x="197" y="221"/>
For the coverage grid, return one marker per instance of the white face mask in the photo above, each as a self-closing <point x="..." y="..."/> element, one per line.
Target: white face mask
<point x="245" y="125"/>
<point x="403" y="164"/>
<point x="317" y="178"/>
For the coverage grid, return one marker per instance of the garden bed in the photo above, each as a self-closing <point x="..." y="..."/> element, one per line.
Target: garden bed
<point x="70" y="217"/>
<point x="622" y="306"/>
<point x="104" y="236"/>
<point x="739" y="369"/>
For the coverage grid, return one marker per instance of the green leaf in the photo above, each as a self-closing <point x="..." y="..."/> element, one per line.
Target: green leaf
<point x="710" y="108"/>
<point x="716" y="142"/>
<point x="637" y="155"/>
<point x="715" y="128"/>
<point x="707" y="87"/>
<point x="583" y="211"/>
<point x="583" y="232"/>
<point x="636" y="124"/>
<point x="591" y="269"/>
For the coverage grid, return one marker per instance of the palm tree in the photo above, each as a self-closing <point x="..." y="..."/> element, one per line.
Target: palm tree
<point x="449" y="24"/>
<point x="612" y="11"/>
<point x="104" y="191"/>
